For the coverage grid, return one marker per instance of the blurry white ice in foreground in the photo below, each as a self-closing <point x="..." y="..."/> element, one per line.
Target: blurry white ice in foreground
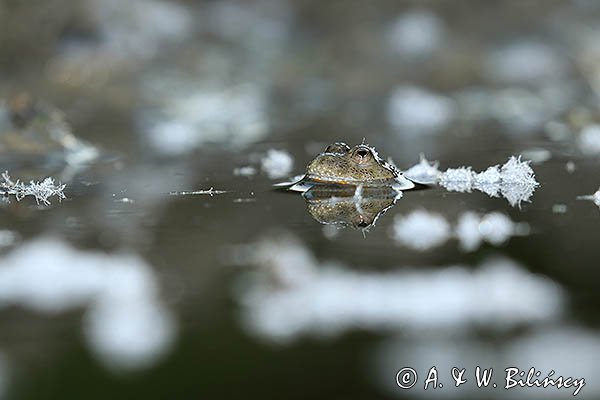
<point x="570" y="351"/>
<point x="515" y="180"/>
<point x="423" y="230"/>
<point x="292" y="294"/>
<point x="125" y="323"/>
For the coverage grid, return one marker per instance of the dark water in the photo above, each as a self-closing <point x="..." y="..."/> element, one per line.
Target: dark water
<point x="125" y="290"/>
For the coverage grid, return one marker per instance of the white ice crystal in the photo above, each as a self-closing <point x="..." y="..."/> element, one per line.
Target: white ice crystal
<point x="421" y="230"/>
<point x="277" y="163"/>
<point x="424" y="172"/>
<point x="518" y="181"/>
<point x="41" y="191"/>
<point x="515" y="180"/>
<point x="458" y="179"/>
<point x="592" y="197"/>
<point x="489" y="181"/>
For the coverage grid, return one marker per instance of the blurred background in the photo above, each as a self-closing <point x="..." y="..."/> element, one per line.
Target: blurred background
<point x="130" y="288"/>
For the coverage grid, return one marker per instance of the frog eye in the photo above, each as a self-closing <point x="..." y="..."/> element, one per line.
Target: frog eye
<point x="338" y="147"/>
<point x="362" y="155"/>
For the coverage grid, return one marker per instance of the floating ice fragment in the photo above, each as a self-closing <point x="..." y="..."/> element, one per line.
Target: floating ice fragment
<point x="416" y="111"/>
<point x="515" y="180"/>
<point x="211" y="192"/>
<point x="593" y="197"/>
<point x="518" y="181"/>
<point x="424" y="172"/>
<point x="41" y="191"/>
<point x="589" y="140"/>
<point x="416" y="34"/>
<point x="489" y="181"/>
<point x="458" y="179"/>
<point x="277" y="163"/>
<point x="421" y="230"/>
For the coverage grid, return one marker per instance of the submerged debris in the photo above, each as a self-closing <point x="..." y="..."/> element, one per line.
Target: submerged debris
<point x="42" y="191"/>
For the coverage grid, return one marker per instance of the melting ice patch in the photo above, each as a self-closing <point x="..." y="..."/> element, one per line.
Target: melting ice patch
<point x="307" y="297"/>
<point x="423" y="230"/>
<point x="125" y="325"/>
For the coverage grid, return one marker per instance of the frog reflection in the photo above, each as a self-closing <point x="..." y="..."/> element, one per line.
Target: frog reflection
<point x="361" y="165"/>
<point x="358" y="207"/>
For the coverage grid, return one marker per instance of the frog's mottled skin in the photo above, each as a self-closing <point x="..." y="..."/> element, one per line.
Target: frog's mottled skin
<point x="361" y="165"/>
